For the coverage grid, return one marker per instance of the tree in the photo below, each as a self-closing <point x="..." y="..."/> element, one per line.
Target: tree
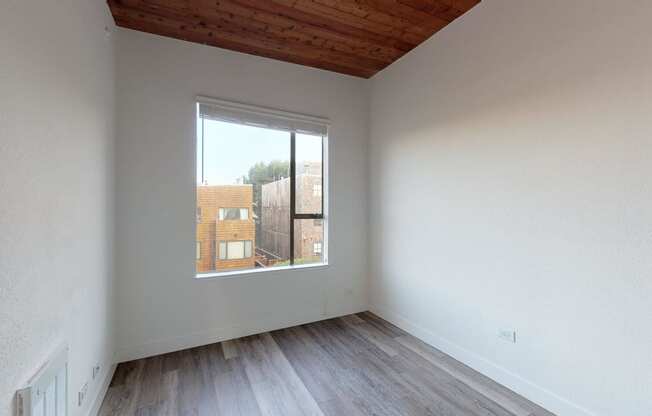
<point x="260" y="174"/>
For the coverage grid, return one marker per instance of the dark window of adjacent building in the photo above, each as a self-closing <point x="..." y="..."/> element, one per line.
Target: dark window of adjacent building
<point x="229" y="214"/>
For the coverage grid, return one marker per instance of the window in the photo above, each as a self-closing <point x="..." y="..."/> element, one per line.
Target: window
<point x="222" y="250"/>
<point x="229" y="214"/>
<point x="235" y="250"/>
<point x="198" y="252"/>
<point x="261" y="199"/>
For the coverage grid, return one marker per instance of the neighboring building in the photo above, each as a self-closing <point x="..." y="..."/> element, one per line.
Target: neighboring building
<point x="275" y="242"/>
<point x="225" y="228"/>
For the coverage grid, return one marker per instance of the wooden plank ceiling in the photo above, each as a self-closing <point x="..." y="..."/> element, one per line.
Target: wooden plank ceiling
<point x="355" y="37"/>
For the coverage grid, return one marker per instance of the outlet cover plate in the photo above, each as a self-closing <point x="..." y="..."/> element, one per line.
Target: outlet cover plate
<point x="82" y="394"/>
<point x="508" y="335"/>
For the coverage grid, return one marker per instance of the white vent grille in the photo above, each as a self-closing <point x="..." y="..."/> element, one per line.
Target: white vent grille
<point x="46" y="393"/>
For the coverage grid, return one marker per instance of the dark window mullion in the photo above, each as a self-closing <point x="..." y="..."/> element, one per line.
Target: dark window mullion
<point x="308" y="216"/>
<point x="322" y="176"/>
<point x="293" y="179"/>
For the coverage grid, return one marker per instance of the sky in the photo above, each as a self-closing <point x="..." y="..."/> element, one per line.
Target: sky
<point x="231" y="149"/>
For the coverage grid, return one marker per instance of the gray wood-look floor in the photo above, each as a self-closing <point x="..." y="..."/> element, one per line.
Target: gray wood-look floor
<point x="351" y="366"/>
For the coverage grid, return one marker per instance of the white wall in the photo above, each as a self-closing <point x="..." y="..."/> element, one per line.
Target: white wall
<point x="511" y="186"/>
<point x="161" y="307"/>
<point x="56" y="191"/>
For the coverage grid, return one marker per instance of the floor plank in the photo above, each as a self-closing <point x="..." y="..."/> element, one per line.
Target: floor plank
<point x="356" y="365"/>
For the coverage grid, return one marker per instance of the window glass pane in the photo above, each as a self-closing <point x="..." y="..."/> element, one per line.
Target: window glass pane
<point x="198" y="250"/>
<point x="273" y="242"/>
<point x="309" y="174"/>
<point x="230" y="214"/>
<point x="243" y="194"/>
<point x="234" y="250"/>
<point x="308" y="242"/>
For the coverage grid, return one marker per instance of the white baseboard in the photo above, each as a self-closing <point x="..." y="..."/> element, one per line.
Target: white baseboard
<point x="217" y="335"/>
<point x="101" y="392"/>
<point x="537" y="394"/>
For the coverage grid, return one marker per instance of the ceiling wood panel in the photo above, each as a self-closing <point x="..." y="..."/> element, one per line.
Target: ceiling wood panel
<point x="354" y="37"/>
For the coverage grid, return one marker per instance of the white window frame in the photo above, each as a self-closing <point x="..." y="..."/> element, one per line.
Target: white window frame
<point x="280" y="120"/>
<point x="225" y="244"/>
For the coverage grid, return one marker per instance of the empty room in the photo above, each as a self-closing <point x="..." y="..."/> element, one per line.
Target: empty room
<point x="325" y="208"/>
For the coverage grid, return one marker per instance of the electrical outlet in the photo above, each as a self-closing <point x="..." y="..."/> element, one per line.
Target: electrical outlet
<point x="82" y="394"/>
<point x="508" y="335"/>
<point x="96" y="371"/>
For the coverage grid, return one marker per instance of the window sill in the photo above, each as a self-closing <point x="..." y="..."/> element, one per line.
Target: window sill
<point x="258" y="272"/>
